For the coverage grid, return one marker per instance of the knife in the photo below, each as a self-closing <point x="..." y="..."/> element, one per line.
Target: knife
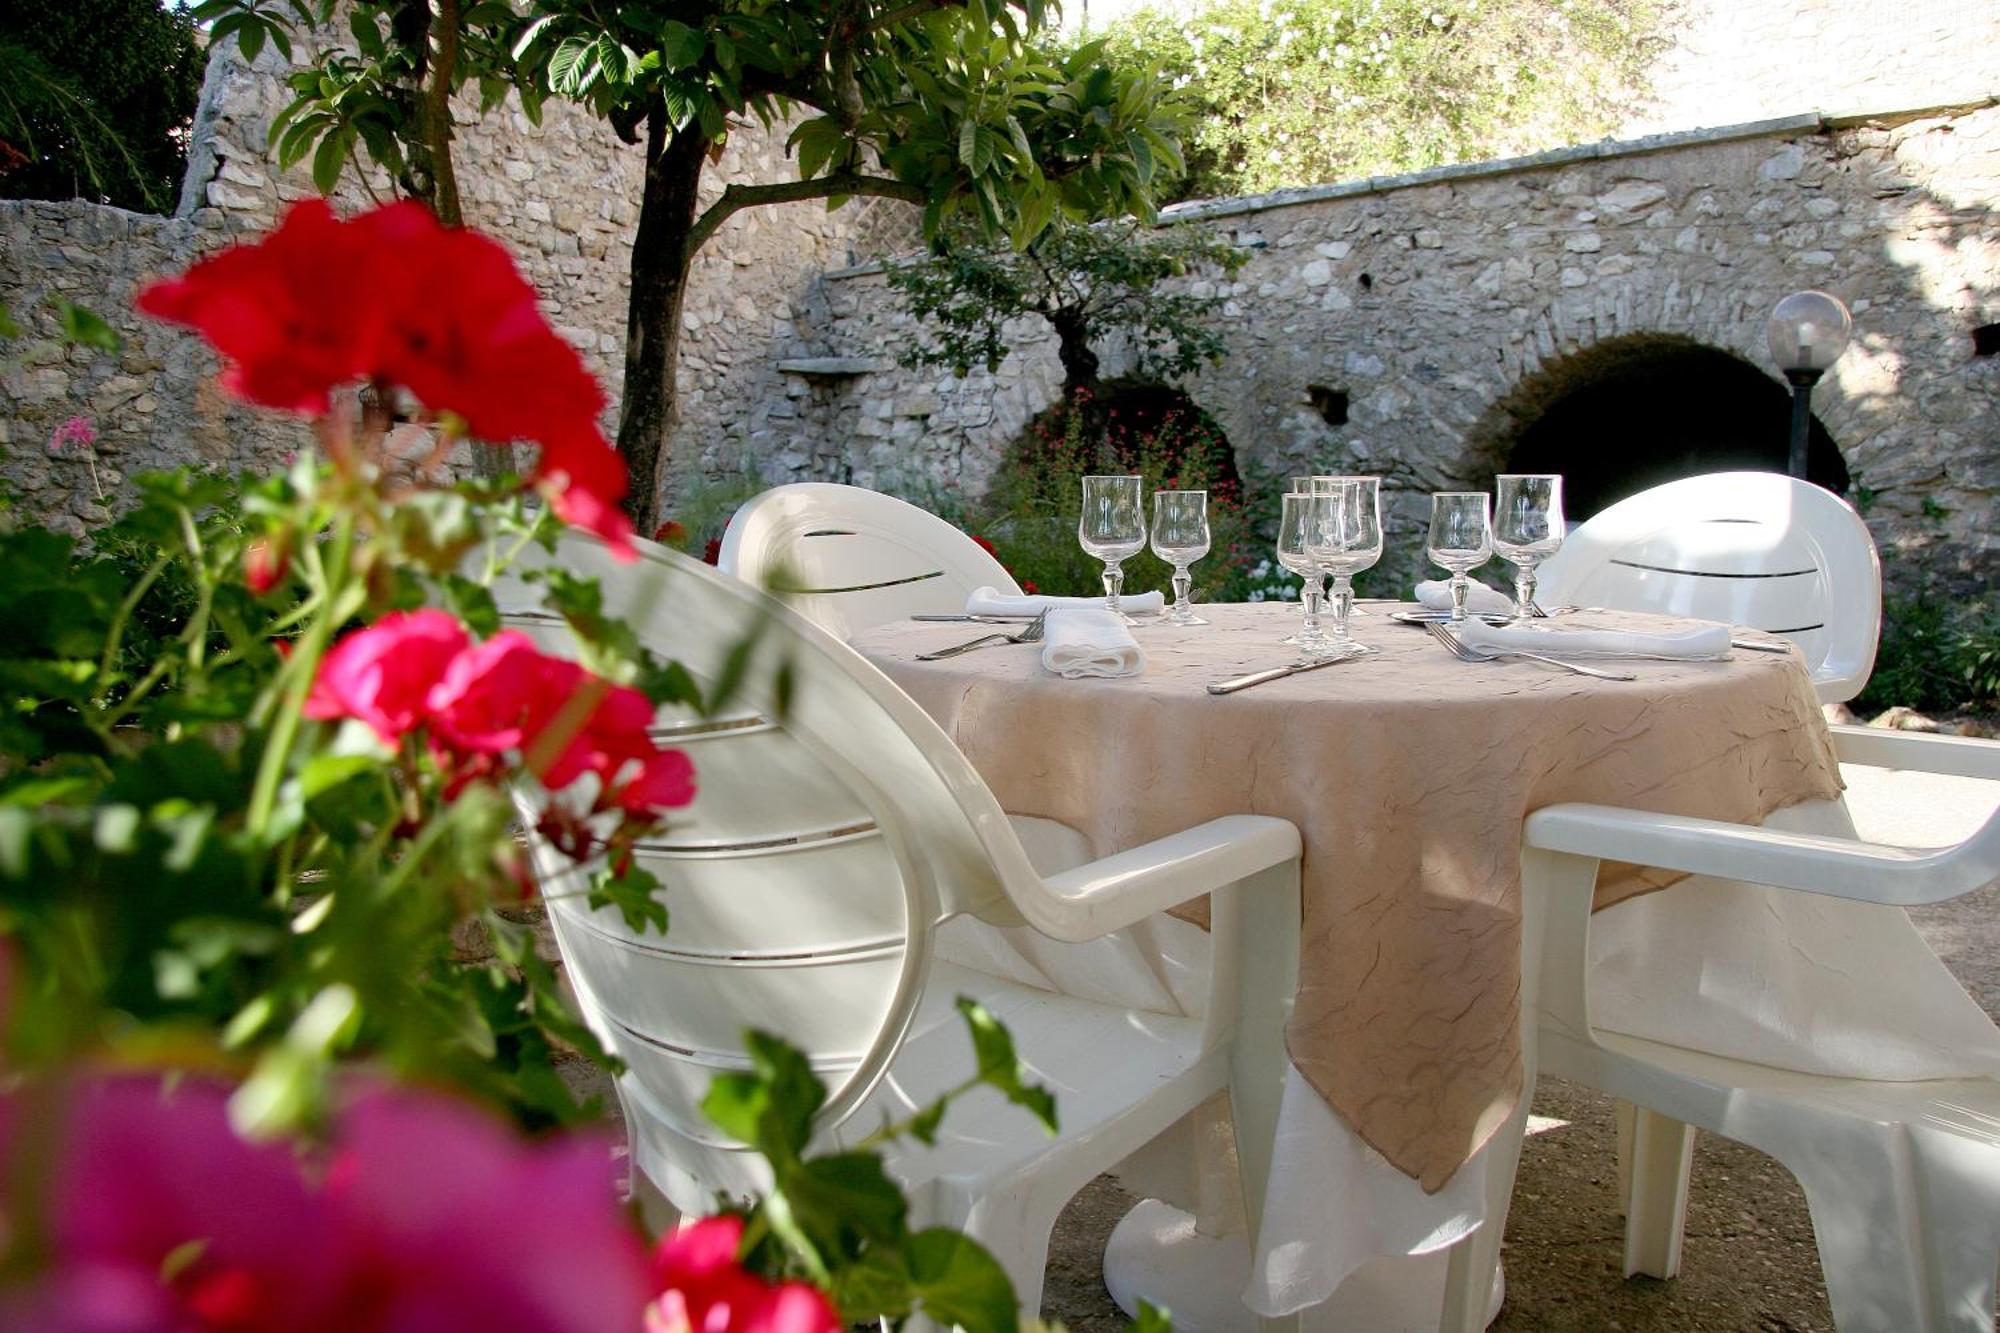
<point x="1278" y="673"/>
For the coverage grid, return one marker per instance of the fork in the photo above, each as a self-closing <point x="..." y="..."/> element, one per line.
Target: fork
<point x="1030" y="633"/>
<point x="1466" y="654"/>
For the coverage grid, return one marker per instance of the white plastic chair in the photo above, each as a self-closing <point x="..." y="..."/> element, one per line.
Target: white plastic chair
<point x="847" y="558"/>
<point x="1902" y="1179"/>
<point x="836" y="830"/>
<point x="1746" y="548"/>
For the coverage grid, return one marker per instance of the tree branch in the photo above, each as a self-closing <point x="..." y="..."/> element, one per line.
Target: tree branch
<point x="737" y="197"/>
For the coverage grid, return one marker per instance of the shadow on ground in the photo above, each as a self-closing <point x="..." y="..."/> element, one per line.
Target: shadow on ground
<point x="1749" y="1264"/>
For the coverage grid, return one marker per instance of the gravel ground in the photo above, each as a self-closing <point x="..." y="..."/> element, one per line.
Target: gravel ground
<point x="1749" y="1264"/>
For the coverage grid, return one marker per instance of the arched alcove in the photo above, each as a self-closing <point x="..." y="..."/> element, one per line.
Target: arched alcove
<point x="1630" y="413"/>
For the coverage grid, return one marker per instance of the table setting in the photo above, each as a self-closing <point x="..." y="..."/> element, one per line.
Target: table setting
<point x="1408" y="741"/>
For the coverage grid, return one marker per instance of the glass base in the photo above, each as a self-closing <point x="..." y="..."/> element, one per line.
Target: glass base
<point x="1170" y="618"/>
<point x="1333" y="647"/>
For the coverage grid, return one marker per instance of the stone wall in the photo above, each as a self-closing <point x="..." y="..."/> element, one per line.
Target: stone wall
<point x="563" y="197"/>
<point x="1444" y="304"/>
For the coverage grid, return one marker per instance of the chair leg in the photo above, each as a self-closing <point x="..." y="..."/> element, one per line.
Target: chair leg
<point x="657" y="1213"/>
<point x="1258" y="1062"/>
<point x="1015" y="1226"/>
<point x="1656" y="1192"/>
<point x="1907" y="1241"/>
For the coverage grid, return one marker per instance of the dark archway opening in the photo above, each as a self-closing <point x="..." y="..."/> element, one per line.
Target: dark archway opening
<point x="1631" y="414"/>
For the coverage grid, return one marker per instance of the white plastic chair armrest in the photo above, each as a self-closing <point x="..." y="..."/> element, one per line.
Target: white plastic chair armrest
<point x="1122" y="890"/>
<point x="1835" y="867"/>
<point x="1951" y="756"/>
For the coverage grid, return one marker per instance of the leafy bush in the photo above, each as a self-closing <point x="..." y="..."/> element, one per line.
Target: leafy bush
<point x="1029" y="512"/>
<point x="98" y="98"/>
<point x="1299" y="92"/>
<point x="1936" y="657"/>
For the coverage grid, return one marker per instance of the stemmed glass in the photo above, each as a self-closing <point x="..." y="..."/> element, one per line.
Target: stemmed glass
<point x="1527" y="529"/>
<point x="1112" y="529"/>
<point x="1346" y="539"/>
<point x="1180" y="537"/>
<point x="1298" y="514"/>
<point x="1461" y="539"/>
<point x="1311" y="573"/>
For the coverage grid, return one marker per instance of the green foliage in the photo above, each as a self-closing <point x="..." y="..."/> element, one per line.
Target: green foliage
<point x="369" y="92"/>
<point x="95" y="100"/>
<point x="837" y="1219"/>
<point x="180" y="898"/>
<point x="1299" y="92"/>
<point x="1088" y="283"/>
<point x="1937" y="655"/>
<point x="947" y="106"/>
<point x="1029" y="510"/>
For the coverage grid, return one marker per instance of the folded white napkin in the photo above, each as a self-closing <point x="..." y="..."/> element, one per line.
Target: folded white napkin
<point x="1481" y="600"/>
<point x="1701" y="641"/>
<point x="993" y="602"/>
<point x="1078" y="643"/>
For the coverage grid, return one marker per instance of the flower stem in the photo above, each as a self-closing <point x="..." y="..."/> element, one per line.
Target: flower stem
<point x="298" y="679"/>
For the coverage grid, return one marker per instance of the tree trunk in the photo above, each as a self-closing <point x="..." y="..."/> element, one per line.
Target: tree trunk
<point x="660" y="263"/>
<point x="434" y="113"/>
<point x="1079" y="363"/>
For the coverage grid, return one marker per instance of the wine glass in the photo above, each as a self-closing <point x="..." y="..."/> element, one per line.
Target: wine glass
<point x="1346" y="540"/>
<point x="1180" y="537"/>
<point x="1112" y="529"/>
<point x="1527" y="529"/>
<point x="1461" y="539"/>
<point x="1312" y="574"/>
<point x="1298" y="514"/>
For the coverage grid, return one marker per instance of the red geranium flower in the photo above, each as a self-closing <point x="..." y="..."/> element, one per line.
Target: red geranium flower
<point x="706" y="1291"/>
<point x="584" y="480"/>
<point x="295" y="316"/>
<point x="466" y="336"/>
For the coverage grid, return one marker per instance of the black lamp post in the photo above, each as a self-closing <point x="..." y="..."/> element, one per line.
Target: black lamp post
<point x="1809" y="331"/>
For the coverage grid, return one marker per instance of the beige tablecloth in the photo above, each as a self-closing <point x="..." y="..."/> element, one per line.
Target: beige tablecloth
<point x="1409" y="774"/>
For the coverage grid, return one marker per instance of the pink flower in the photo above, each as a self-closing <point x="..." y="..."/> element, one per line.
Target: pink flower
<point x="495" y="695"/>
<point x="428" y="1217"/>
<point x="76" y="432"/>
<point x="383" y="674"/>
<point x="705" y="1290"/>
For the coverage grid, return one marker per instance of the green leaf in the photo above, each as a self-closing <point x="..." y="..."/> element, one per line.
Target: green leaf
<point x="569" y="67"/>
<point x="327" y="161"/>
<point x="1000" y="1069"/>
<point x="771" y="1107"/>
<point x="680" y="45"/>
<point x="1152" y="1319"/>
<point x="968" y="145"/>
<point x="85" y="328"/>
<point x="852" y="1191"/>
<point x="634" y="893"/>
<point x="958" y="1282"/>
<point x="874" y="1287"/>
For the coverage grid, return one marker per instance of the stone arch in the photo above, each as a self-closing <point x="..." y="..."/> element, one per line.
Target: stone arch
<point x="1633" y="411"/>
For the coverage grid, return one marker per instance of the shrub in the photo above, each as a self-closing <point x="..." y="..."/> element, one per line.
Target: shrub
<point x="1936" y="657"/>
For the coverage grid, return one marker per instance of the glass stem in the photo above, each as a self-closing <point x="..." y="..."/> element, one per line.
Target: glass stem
<point x="1524" y="591"/>
<point x="1114" y="584"/>
<point x="1183" y="584"/>
<point x="1343" y="602"/>
<point x="1309" y="627"/>
<point x="1460" y="586"/>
